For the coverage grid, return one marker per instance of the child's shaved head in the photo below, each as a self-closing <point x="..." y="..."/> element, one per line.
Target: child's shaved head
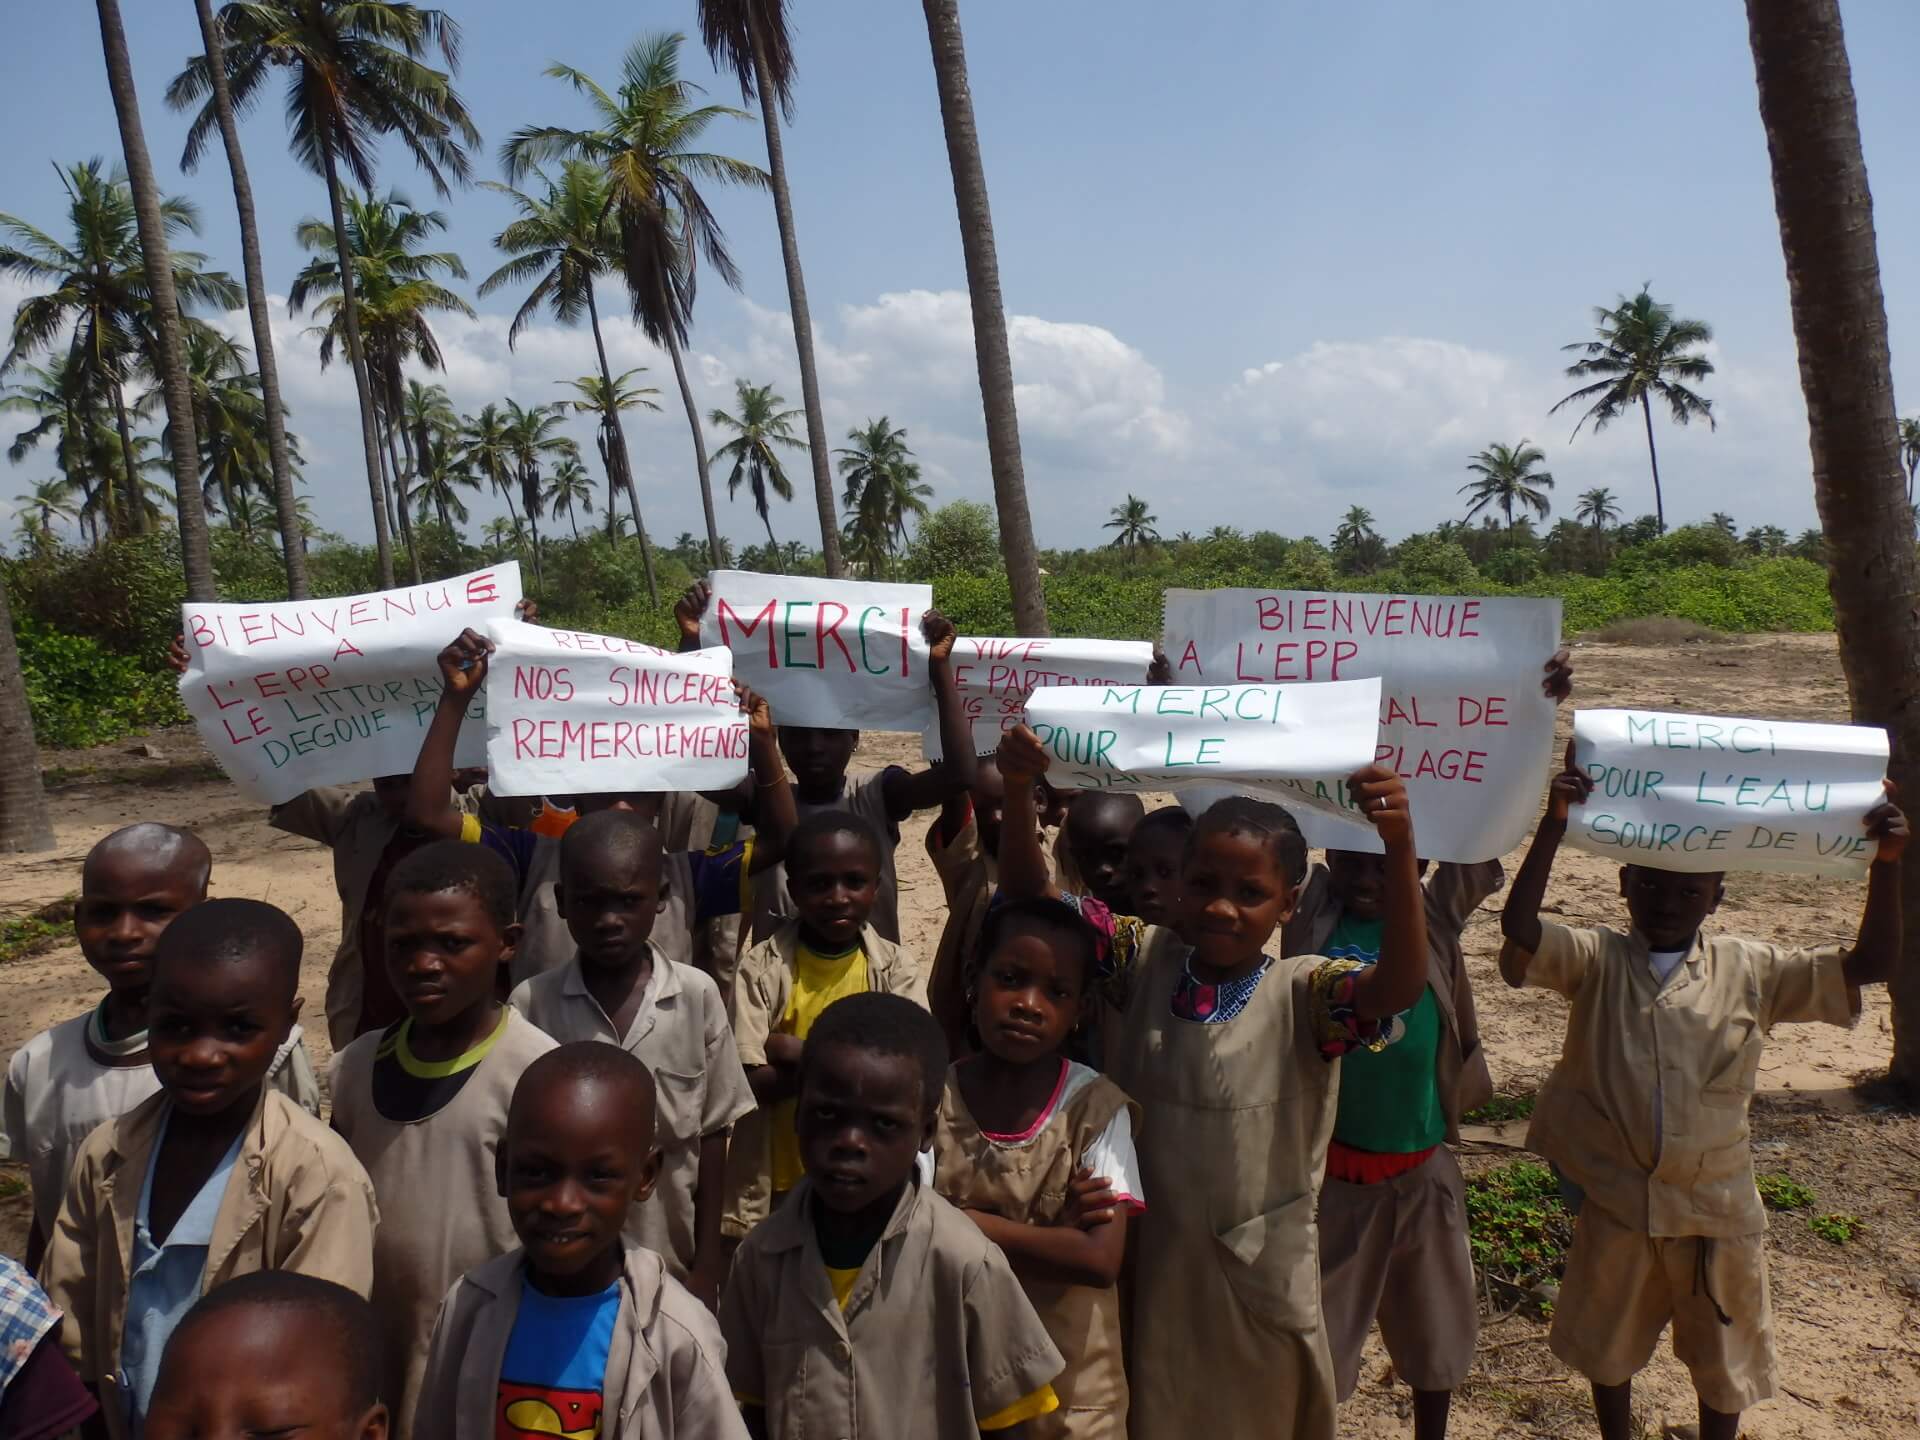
<point x="613" y="838"/>
<point x="153" y="850"/>
<point x="231" y="931"/>
<point x="587" y="1063"/>
<point x="272" y="1351"/>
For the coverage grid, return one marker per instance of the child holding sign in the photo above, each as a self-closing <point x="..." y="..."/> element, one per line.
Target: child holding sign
<point x="1646" y="1110"/>
<point x="819" y="758"/>
<point x="699" y="884"/>
<point x="1227" y="1051"/>
<point x="1393" y="1208"/>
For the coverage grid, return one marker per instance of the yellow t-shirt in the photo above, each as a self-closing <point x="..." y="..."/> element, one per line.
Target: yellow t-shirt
<point x="818" y="981"/>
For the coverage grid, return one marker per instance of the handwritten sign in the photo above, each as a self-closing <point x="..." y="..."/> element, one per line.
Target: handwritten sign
<point x="1700" y="793"/>
<point x="1462" y="718"/>
<point x="994" y="678"/>
<point x="840" y="654"/>
<point x="1292" y="743"/>
<point x="572" y="713"/>
<point x="301" y="693"/>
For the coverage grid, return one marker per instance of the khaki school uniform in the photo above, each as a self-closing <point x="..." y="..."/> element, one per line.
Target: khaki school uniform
<point x="61" y="1088"/>
<point x="681" y="1034"/>
<point x="936" y="1334"/>
<point x="968" y="876"/>
<point x="441" y="1208"/>
<point x="690" y="821"/>
<point x="1646" y="1111"/>
<point x="867" y="798"/>
<point x="1029" y="1182"/>
<point x="1406" y="1237"/>
<point x="761" y="993"/>
<point x="1227" y="1338"/>
<point x="666" y="1369"/>
<point x="297" y="1200"/>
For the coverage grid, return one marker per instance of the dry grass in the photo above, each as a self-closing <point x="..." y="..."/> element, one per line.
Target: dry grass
<point x="1655" y="630"/>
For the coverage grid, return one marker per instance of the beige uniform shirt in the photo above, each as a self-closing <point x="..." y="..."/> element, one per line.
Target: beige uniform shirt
<point x="1647" y="1108"/>
<point x="1453" y="892"/>
<point x="441" y="1209"/>
<point x="936" y="1335"/>
<point x="666" y="1369"/>
<point x="865" y="797"/>
<point x="297" y="1200"/>
<point x="760" y="996"/>
<point x="681" y="1033"/>
<point x="545" y="942"/>
<point x="59" y="1091"/>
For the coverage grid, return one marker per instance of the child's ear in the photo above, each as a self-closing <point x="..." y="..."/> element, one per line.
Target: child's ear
<point x="649" y="1176"/>
<point x="510" y="938"/>
<point x="1719" y="894"/>
<point x="374" y="1425"/>
<point x="500" y="1167"/>
<point x="1623" y="881"/>
<point x="560" y="898"/>
<point x="293" y="1010"/>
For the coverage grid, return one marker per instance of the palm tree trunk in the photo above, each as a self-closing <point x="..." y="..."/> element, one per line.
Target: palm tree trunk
<point x="533" y="522"/>
<point x="699" y="448"/>
<point x="132" y="511"/>
<point x="195" y="553"/>
<point x="773" y="545"/>
<point x="575" y="524"/>
<point x="284" y="499"/>
<point x="350" y="308"/>
<point x="1840" y="325"/>
<point x="618" y="431"/>
<point x="802" y="315"/>
<point x="1653" y="459"/>
<point x="398" y="495"/>
<point x="989" y="317"/>
<point x="24" y="821"/>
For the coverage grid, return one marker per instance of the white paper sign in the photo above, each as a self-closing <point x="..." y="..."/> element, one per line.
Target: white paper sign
<point x="994" y="678"/>
<point x="300" y="693"/>
<point x="840" y="654"/>
<point x="1293" y="743"/>
<point x="1462" y="717"/>
<point x="1701" y="793"/>
<point x="572" y="713"/>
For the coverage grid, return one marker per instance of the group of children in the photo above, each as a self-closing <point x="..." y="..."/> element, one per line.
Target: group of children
<point x="638" y="1140"/>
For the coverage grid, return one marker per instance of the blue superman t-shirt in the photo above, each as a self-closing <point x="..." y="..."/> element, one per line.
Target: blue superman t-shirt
<point x="556" y="1366"/>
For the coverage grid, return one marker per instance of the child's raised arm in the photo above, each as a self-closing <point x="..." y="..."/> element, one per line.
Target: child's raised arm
<point x="774" y="813"/>
<point x="463" y="670"/>
<point x="1397" y="980"/>
<point x="1024" y="873"/>
<point x="924" y="789"/>
<point x="1876" y="950"/>
<point x="1520" y="919"/>
<point x="687" y="613"/>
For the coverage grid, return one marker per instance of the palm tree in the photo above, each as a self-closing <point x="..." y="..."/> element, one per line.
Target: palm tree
<point x="531" y="441"/>
<point x="1723" y="522"/>
<point x="443" y="474"/>
<point x="758" y="429"/>
<point x="47" y="504"/>
<point x="101" y="305"/>
<point x="749" y="37"/>
<point x="1135" y="525"/>
<point x="1508" y="478"/>
<point x="167" y="350"/>
<point x="1597" y="508"/>
<point x="882" y="488"/>
<point x="87" y="448"/>
<point x="24" y="821"/>
<point x="866" y="547"/>
<point x="356" y="71"/>
<point x="1640" y="354"/>
<point x="286" y="502"/>
<point x="645" y="145"/>
<point x="563" y="242"/>
<point x="487" y="448"/>
<point x="989" y="316"/>
<point x="1356" y="545"/>
<point x="504" y="537"/>
<point x="570" y="488"/>
<point x="395" y="292"/>
<point x="229" y="418"/>
<point x="1767" y="541"/>
<point x="607" y="396"/>
<point x="1910" y="451"/>
<point x="1825" y="208"/>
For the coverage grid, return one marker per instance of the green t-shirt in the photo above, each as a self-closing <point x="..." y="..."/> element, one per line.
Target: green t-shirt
<point x="1389" y="1101"/>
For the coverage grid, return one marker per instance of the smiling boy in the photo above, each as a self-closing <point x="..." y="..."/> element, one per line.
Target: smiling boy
<point x="216" y="1176"/>
<point x="579" y="1331"/>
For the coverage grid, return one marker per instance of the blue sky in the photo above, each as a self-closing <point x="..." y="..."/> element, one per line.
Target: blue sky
<point x="1260" y="264"/>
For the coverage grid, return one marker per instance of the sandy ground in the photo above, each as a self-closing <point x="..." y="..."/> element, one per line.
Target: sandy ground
<point x="1847" y="1318"/>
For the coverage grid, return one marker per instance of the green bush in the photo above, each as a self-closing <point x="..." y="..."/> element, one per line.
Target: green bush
<point x="1783" y="1192"/>
<point x="81" y="693"/>
<point x="1518" y="1228"/>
